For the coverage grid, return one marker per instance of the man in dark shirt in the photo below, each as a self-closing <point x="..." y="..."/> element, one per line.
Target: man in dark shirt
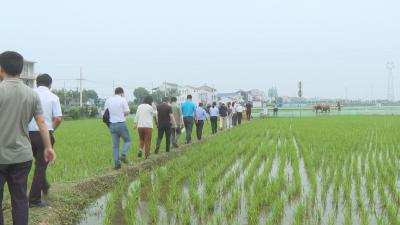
<point x="223" y="113"/>
<point x="249" y="107"/>
<point x="164" y="119"/>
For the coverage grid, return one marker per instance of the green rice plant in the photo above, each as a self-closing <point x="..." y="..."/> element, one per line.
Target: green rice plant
<point x="299" y="214"/>
<point x="341" y="151"/>
<point x="154" y="202"/>
<point x="114" y="202"/>
<point x="253" y="212"/>
<point x="195" y="198"/>
<point x="185" y="214"/>
<point x="231" y="205"/>
<point x="364" y="217"/>
<point x="348" y="214"/>
<point x="393" y="213"/>
<point x="277" y="212"/>
<point x="130" y="211"/>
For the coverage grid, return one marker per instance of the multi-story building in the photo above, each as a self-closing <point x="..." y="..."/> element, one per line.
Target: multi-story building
<point x="230" y="97"/>
<point x="207" y="95"/>
<point x="28" y="73"/>
<point x="255" y="96"/>
<point x="204" y="94"/>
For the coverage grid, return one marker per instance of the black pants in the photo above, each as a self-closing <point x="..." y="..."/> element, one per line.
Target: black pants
<point x="239" y="117"/>
<point x="167" y="130"/>
<point x="189" y="121"/>
<point x="16" y="176"/>
<point x="248" y="114"/>
<point x="214" y="124"/>
<point x="234" y="119"/>
<point x="39" y="182"/>
<point x="199" y="129"/>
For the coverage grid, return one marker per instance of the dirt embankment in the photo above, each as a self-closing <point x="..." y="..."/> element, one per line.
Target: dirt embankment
<point x="68" y="201"/>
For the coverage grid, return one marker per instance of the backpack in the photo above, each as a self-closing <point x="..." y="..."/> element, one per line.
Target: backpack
<point x="106" y="118"/>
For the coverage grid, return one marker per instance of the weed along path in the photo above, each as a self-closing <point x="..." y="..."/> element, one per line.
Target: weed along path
<point x="325" y="170"/>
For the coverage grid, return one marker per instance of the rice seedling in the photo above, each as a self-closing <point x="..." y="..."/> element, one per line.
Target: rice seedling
<point x="330" y="170"/>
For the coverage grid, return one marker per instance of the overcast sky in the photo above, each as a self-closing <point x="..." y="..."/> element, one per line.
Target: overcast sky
<point x="228" y="44"/>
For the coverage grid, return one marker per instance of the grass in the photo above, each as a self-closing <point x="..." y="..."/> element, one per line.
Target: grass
<point x="254" y="173"/>
<point x="78" y="143"/>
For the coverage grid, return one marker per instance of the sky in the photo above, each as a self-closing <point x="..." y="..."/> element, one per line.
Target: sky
<point x="333" y="47"/>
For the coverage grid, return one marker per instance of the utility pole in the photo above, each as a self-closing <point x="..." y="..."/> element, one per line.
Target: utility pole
<point x="113" y="86"/>
<point x="165" y="88"/>
<point x="390" y="67"/>
<point x="80" y="87"/>
<point x="300" y="94"/>
<point x="372" y="94"/>
<point x="65" y="95"/>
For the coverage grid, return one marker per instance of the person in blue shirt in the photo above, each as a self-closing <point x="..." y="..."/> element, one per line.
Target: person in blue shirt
<point x="189" y="117"/>
<point x="201" y="117"/>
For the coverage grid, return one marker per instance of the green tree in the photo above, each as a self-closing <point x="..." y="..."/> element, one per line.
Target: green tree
<point x="157" y="96"/>
<point x="172" y="93"/>
<point x="90" y="94"/>
<point x="273" y="93"/>
<point x="71" y="97"/>
<point x="140" y="93"/>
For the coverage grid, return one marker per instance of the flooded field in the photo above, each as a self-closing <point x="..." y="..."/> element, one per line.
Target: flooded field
<point x="326" y="170"/>
<point x="346" y="111"/>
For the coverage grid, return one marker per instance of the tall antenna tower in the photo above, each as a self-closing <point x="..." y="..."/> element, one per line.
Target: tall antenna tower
<point x="390" y="67"/>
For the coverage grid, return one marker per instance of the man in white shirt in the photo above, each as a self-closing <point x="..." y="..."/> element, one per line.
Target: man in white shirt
<point x="214" y="113"/>
<point x="239" y="111"/>
<point x="119" y="110"/>
<point x="53" y="117"/>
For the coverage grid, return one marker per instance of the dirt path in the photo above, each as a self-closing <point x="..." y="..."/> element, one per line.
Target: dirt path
<point x="69" y="200"/>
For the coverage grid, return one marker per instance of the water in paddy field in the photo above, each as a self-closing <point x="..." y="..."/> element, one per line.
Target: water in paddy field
<point x="95" y="214"/>
<point x="325" y="211"/>
<point x="346" y="111"/>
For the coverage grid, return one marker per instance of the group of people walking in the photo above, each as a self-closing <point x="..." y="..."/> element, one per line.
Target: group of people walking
<point x="230" y="115"/>
<point x="34" y="115"/>
<point x="28" y="120"/>
<point x="170" y="119"/>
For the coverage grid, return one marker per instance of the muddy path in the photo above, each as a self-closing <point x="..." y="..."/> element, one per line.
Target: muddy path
<point x="69" y="200"/>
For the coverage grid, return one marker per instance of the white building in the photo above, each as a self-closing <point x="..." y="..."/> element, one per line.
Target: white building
<point x="204" y="94"/>
<point x="231" y="97"/>
<point x="207" y="95"/>
<point x="257" y="97"/>
<point x="28" y="73"/>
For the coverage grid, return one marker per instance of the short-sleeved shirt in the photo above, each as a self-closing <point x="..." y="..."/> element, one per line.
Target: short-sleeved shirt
<point x="145" y="115"/>
<point x="117" y="106"/>
<point x="249" y="106"/>
<point x="223" y="111"/>
<point x="177" y="112"/>
<point x="188" y="109"/>
<point x="239" y="109"/>
<point x="214" y="112"/>
<point x="50" y="105"/>
<point x="18" y="105"/>
<point x="201" y="113"/>
<point x="164" y="111"/>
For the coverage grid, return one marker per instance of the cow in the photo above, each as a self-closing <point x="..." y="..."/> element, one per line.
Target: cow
<point x="324" y="108"/>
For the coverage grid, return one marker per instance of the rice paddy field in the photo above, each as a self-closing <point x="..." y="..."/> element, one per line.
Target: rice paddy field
<point x="290" y="171"/>
<point x="84" y="149"/>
